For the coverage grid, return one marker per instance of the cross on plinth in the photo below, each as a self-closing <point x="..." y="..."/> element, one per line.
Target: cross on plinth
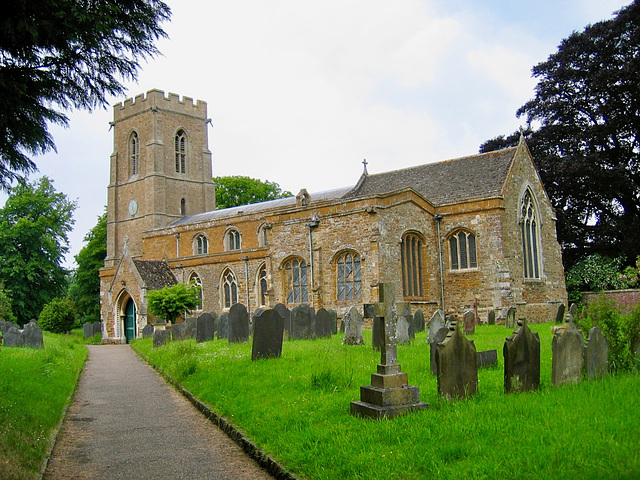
<point x="389" y="394"/>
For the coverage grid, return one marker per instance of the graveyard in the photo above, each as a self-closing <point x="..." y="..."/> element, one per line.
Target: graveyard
<point x="296" y="409"/>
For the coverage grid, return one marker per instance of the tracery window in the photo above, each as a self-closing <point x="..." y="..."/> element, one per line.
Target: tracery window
<point x="229" y="289"/>
<point x="134" y="153"/>
<point x="262" y="285"/>
<point x="411" y="261"/>
<point x="201" y="244"/>
<point x="195" y="281"/>
<point x="180" y="146"/>
<point x="296" y="281"/>
<point x="349" y="276"/>
<point x="462" y="251"/>
<point x="232" y="241"/>
<point x="530" y="236"/>
<point x="262" y="236"/>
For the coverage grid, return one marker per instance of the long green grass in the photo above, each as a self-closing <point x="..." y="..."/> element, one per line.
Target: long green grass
<point x="296" y="409"/>
<point x="35" y="386"/>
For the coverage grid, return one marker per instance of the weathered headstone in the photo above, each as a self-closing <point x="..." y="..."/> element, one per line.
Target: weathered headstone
<point x="268" y="328"/>
<point x="389" y="394"/>
<point x="573" y="310"/>
<point x="333" y="320"/>
<point x="32" y="335"/>
<point x="436" y="322"/>
<point x="322" y="324"/>
<point x="192" y="327"/>
<point x="353" y="327"/>
<point x="521" y="353"/>
<point x="147" y="330"/>
<point x="487" y="358"/>
<point x="510" y="321"/>
<point x="491" y="319"/>
<point x="418" y="321"/>
<point x="457" y="362"/>
<point x="438" y="337"/>
<point x="302" y="322"/>
<point x="161" y="337"/>
<point x="560" y="313"/>
<point x="13" y="338"/>
<point x="469" y="322"/>
<point x="222" y="326"/>
<point x="285" y="313"/>
<point x="205" y="327"/>
<point x="178" y="331"/>
<point x="238" y="324"/>
<point x="404" y="326"/>
<point x="596" y="354"/>
<point x="5" y="326"/>
<point x="568" y="356"/>
<point x="87" y="330"/>
<point x="97" y="328"/>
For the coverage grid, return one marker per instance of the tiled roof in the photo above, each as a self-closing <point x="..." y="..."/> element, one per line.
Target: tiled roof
<point x="156" y="274"/>
<point x="447" y="182"/>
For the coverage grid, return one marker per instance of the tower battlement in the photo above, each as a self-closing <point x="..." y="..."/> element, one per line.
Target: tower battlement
<point x="156" y="99"/>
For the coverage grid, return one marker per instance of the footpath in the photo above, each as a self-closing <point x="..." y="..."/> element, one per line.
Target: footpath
<point x="126" y="422"/>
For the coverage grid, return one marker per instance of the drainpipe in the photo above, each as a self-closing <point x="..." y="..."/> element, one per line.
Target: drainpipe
<point x="246" y="276"/>
<point x="312" y="224"/>
<point x="438" y="218"/>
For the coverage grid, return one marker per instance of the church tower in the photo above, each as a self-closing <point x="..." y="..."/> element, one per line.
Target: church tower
<point x="160" y="168"/>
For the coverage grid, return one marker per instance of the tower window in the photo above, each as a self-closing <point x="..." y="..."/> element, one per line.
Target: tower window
<point x="180" y="141"/>
<point x="134" y="153"/>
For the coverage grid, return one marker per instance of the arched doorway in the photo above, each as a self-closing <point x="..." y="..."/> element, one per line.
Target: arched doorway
<point x="130" y="320"/>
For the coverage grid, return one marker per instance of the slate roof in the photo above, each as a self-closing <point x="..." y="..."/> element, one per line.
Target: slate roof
<point x="156" y="274"/>
<point x="451" y="181"/>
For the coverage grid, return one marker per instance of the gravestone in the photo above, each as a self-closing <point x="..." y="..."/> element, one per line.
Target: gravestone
<point x="205" y="327"/>
<point x="322" y="324"/>
<point x="268" y="329"/>
<point x="510" y="321"/>
<point x="418" y="321"/>
<point x="487" y="358"/>
<point x="178" y="331"/>
<point x="568" y="356"/>
<point x="32" y="335"/>
<point x="353" y="327"/>
<point x="192" y="327"/>
<point x="521" y="353"/>
<point x="147" y="330"/>
<point x="302" y="322"/>
<point x="457" y="363"/>
<point x="573" y="310"/>
<point x="377" y="333"/>
<point x="333" y="320"/>
<point x="87" y="330"/>
<point x="560" y="313"/>
<point x="389" y="394"/>
<point x="469" y="322"/>
<point x="285" y="313"/>
<point x="436" y="322"/>
<point x="238" y="324"/>
<point x="596" y="354"/>
<point x="438" y="337"/>
<point x="97" y="328"/>
<point x="13" y="338"/>
<point x="491" y="320"/>
<point x="161" y="337"/>
<point x="404" y="326"/>
<point x="5" y="326"/>
<point x="222" y="326"/>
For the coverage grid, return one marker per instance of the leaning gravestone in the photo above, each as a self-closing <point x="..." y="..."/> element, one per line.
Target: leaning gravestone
<point x="333" y="320"/>
<point x="179" y="331"/>
<point x="491" y="320"/>
<point x="161" y="337"/>
<point x="147" y="331"/>
<point x="521" y="360"/>
<point x="32" y="335"/>
<point x="13" y="338"/>
<point x="285" y="313"/>
<point x="353" y="327"/>
<point x="268" y="329"/>
<point x="322" y="324"/>
<point x="238" y="324"/>
<point x="560" y="313"/>
<point x="487" y="358"/>
<point x="438" y="337"/>
<point x="222" y="326"/>
<point x="436" y="322"/>
<point x="302" y="322"/>
<point x="205" y="327"/>
<point x="404" y="326"/>
<point x="596" y="354"/>
<point x="568" y="357"/>
<point x="510" y="321"/>
<point x="469" y="322"/>
<point x="418" y="321"/>
<point x="457" y="363"/>
<point x="87" y="330"/>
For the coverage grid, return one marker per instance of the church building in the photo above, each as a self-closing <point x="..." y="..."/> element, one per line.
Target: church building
<point x="476" y="232"/>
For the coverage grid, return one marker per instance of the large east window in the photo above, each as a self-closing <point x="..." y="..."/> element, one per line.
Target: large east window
<point x="411" y="261"/>
<point x="296" y="281"/>
<point x="529" y="225"/>
<point x="349" y="276"/>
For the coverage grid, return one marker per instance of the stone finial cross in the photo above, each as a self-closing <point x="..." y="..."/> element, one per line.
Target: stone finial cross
<point x="387" y="309"/>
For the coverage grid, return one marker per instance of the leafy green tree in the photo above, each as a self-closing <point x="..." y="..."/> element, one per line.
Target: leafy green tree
<point x="6" y="312"/>
<point x="585" y="137"/>
<point x="34" y="224"/>
<point x="238" y="190"/>
<point x="62" y="54"/>
<point x="169" y="303"/>
<point x="58" y="316"/>
<point x="85" y="287"/>
<point x="595" y="273"/>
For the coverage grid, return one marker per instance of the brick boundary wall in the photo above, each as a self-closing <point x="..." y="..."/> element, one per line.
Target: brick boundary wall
<point x="625" y="299"/>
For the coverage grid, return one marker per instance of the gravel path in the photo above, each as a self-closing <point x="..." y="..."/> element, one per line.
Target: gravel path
<point x="126" y="422"/>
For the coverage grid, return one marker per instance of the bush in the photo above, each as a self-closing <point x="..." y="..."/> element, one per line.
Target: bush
<point x="6" y="312"/>
<point x="58" y="316"/>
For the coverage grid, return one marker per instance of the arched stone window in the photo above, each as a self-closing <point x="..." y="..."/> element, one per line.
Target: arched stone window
<point x="183" y="206"/>
<point x="262" y="286"/>
<point x="134" y="153"/>
<point x="530" y="228"/>
<point x="229" y="289"/>
<point x="462" y="251"/>
<point x="349" y="276"/>
<point x="296" y="281"/>
<point x="195" y="281"/>
<point x="180" y="148"/>
<point x="262" y="235"/>
<point x="232" y="239"/>
<point x="200" y="244"/>
<point x="411" y="261"/>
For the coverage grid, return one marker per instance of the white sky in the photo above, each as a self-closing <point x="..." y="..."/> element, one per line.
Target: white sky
<point x="301" y="92"/>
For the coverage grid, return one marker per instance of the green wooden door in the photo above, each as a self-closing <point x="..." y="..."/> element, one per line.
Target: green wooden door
<point x="130" y="321"/>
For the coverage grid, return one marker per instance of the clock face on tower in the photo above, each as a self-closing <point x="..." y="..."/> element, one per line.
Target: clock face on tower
<point x="133" y="207"/>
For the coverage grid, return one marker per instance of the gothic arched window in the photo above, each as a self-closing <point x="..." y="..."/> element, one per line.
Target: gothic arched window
<point x="200" y="244"/>
<point x="349" y="276"/>
<point x="462" y="251"/>
<point x="134" y="153"/>
<point x="262" y="286"/>
<point x="180" y="146"/>
<point x="232" y="240"/>
<point x="411" y="261"/>
<point x="529" y="225"/>
<point x="296" y="281"/>
<point x="229" y="289"/>
<point x="194" y="280"/>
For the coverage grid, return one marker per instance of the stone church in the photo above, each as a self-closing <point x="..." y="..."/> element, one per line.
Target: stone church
<point x="476" y="232"/>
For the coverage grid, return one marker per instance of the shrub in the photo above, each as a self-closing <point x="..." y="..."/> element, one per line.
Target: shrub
<point x="58" y="316"/>
<point x="6" y="312"/>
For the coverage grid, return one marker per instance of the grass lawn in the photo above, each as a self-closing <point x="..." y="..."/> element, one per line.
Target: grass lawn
<point x="296" y="409"/>
<point x="35" y="385"/>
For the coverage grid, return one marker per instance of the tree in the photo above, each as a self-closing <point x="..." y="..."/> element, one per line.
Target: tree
<point x="62" y="54"/>
<point x="594" y="273"/>
<point x="169" y="303"/>
<point x="34" y="224"/>
<point x="85" y="288"/>
<point x="58" y="316"/>
<point x="584" y="122"/>
<point x="6" y="311"/>
<point x="238" y="190"/>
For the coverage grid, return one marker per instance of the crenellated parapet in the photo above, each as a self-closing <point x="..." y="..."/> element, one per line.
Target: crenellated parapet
<point x="156" y="100"/>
